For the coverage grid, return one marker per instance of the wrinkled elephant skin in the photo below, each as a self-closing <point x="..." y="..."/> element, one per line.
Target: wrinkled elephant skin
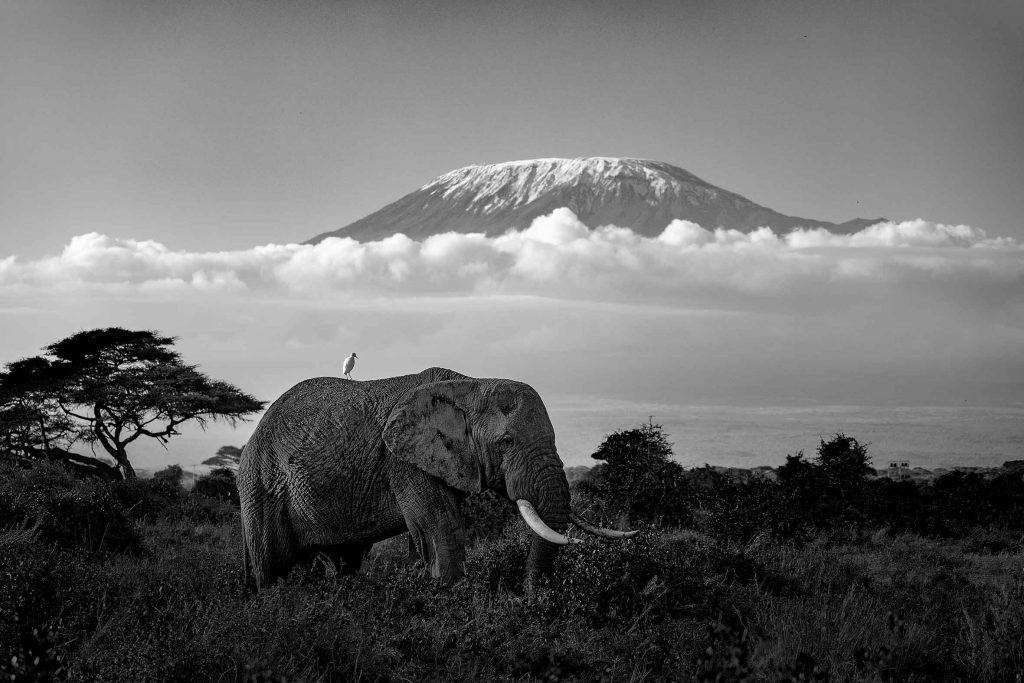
<point x="336" y="465"/>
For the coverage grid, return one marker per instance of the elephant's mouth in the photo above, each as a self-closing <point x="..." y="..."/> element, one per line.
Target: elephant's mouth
<point x="534" y="521"/>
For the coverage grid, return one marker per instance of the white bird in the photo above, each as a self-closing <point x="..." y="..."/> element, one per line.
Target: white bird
<point x="350" y="363"/>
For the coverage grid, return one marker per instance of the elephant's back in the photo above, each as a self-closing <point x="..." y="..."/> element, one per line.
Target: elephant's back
<point x="317" y="413"/>
<point x="322" y="391"/>
<point x="318" y="448"/>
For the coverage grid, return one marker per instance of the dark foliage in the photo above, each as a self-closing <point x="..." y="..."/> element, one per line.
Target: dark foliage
<point x="486" y="515"/>
<point x="834" y="490"/>
<point x="219" y="484"/>
<point x="500" y="562"/>
<point x="741" y="510"/>
<point x="147" y="500"/>
<point x="73" y="514"/>
<point x="847" y="602"/>
<point x="638" y="479"/>
<point x="828" y="490"/>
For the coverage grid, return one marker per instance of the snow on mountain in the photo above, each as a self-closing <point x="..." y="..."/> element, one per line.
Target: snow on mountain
<point x="635" y="193"/>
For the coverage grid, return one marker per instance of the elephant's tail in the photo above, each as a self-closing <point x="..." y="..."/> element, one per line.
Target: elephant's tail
<point x="268" y="546"/>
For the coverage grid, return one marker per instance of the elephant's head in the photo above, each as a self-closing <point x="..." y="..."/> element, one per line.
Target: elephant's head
<point x="491" y="434"/>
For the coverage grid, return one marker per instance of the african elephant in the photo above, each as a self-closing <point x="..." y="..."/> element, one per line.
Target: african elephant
<point x="336" y="465"/>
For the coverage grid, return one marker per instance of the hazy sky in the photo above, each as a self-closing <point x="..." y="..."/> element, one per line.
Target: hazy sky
<point x="213" y="125"/>
<point x="152" y="154"/>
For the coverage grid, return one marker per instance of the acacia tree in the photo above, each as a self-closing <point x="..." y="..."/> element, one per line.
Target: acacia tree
<point x="227" y="457"/>
<point x="108" y="388"/>
<point x="30" y="416"/>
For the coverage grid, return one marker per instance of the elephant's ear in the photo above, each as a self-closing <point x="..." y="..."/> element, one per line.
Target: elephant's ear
<point x="430" y="428"/>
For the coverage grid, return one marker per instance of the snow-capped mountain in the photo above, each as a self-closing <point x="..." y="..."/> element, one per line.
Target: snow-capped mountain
<point x="636" y="193"/>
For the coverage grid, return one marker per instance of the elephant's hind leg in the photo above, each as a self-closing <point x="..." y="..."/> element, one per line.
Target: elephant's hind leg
<point x="271" y="544"/>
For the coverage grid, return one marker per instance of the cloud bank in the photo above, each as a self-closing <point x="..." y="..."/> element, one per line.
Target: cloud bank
<point x="556" y="257"/>
<point x="898" y="313"/>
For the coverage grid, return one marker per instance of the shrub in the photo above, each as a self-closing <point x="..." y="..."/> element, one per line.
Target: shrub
<point x="42" y="588"/>
<point x="200" y="509"/>
<point x="485" y="515"/>
<point x="500" y="561"/>
<point x="147" y="499"/>
<point x="742" y="510"/>
<point x="638" y="478"/>
<point x="89" y="517"/>
<point x="647" y="578"/>
<point x="169" y="477"/>
<point x="219" y="484"/>
<point x="830" y="490"/>
<point x="72" y="513"/>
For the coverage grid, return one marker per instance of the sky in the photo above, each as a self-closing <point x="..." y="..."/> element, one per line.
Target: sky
<point x="159" y="161"/>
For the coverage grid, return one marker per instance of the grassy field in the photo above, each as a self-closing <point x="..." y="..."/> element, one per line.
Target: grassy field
<point x="163" y="599"/>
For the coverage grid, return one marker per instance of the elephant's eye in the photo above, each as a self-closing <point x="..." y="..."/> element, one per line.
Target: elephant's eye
<point x="505" y="441"/>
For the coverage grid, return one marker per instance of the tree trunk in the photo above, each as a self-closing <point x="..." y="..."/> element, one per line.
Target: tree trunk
<point x="126" y="467"/>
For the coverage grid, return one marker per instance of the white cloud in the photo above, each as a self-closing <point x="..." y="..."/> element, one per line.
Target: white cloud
<point x="557" y="256"/>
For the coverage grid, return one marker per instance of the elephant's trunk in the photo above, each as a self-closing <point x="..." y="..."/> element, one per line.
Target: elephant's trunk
<point x="546" y="493"/>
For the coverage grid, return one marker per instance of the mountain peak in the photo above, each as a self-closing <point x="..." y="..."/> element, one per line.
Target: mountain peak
<point x="640" y="194"/>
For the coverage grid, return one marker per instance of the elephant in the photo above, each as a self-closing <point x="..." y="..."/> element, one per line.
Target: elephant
<point x="336" y="465"/>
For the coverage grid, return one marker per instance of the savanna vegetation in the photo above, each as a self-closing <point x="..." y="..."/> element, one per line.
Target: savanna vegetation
<point x="752" y="579"/>
<point x="815" y="571"/>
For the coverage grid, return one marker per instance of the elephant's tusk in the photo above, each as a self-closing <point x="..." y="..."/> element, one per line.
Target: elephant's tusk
<point x="534" y="521"/>
<point x="599" y="531"/>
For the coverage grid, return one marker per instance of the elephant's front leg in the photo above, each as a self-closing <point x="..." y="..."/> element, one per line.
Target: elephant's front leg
<point x="435" y="525"/>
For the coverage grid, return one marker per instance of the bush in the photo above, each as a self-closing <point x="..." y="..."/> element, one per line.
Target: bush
<point x="42" y="589"/>
<point x="742" y="510"/>
<point x="200" y="509"/>
<point x="485" y="515"/>
<point x="499" y="562"/>
<point x="638" y="478"/>
<point x="169" y="477"/>
<point x="219" y="484"/>
<point x="73" y="513"/>
<point x="648" y="578"/>
<point x="829" y="491"/>
<point x="147" y="499"/>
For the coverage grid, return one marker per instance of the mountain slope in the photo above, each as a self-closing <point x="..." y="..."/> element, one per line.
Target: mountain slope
<point x="639" y="194"/>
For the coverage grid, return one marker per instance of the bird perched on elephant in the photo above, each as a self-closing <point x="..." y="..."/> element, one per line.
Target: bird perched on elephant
<point x="335" y="466"/>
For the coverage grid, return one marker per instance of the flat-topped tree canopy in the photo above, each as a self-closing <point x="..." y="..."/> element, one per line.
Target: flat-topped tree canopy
<point x="109" y="387"/>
